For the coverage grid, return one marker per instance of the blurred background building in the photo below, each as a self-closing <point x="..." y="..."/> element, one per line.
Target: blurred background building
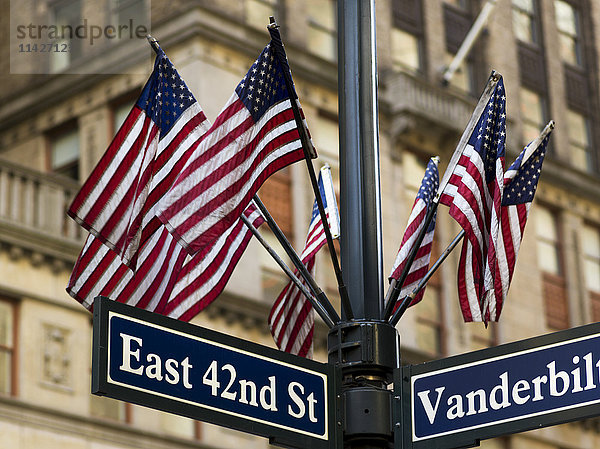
<point x="59" y="114"/>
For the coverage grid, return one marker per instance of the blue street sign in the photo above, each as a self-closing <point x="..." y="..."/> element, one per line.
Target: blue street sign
<point x="173" y="366"/>
<point x="520" y="386"/>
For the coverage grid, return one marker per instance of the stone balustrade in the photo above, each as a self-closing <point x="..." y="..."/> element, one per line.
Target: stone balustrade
<point x="33" y="211"/>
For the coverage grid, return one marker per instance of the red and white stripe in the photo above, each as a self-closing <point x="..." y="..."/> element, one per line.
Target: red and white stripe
<point x="476" y="207"/>
<point x="117" y="202"/>
<point x="420" y="265"/>
<point x="514" y="214"/>
<point x="227" y="169"/>
<point x="291" y="319"/>
<point x="168" y="281"/>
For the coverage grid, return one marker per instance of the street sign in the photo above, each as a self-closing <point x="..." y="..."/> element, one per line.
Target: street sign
<point x="519" y="386"/>
<point x="159" y="362"/>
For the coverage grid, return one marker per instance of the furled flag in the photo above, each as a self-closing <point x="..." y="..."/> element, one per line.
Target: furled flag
<point x="474" y="194"/>
<point x="520" y="183"/>
<point x="117" y="202"/>
<point x="420" y="265"/>
<point x="254" y="136"/>
<point x="168" y="280"/>
<point x="292" y="318"/>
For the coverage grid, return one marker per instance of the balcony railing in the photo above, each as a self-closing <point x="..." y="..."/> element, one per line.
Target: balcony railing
<point x="413" y="102"/>
<point x="33" y="211"/>
<point x="407" y="94"/>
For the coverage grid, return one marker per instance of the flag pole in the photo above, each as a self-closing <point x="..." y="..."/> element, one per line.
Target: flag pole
<point x="409" y="298"/>
<point x="316" y="290"/>
<point x="395" y="287"/>
<point x="316" y="304"/>
<point x="309" y="154"/>
<point x="468" y="42"/>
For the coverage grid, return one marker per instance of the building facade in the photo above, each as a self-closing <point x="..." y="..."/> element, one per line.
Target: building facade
<point x="58" y="113"/>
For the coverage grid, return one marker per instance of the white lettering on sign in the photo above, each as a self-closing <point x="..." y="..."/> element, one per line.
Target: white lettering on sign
<point x="249" y="392"/>
<point x="508" y="392"/>
<point x="429" y="409"/>
<point x="172" y="371"/>
<point x="293" y="389"/>
<point x="224" y="383"/>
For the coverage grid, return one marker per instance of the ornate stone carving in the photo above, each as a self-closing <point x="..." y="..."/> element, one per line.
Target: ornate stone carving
<point x="56" y="356"/>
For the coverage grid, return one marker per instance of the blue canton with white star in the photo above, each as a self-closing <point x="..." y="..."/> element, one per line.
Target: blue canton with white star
<point x="522" y="187"/>
<point x="429" y="187"/>
<point x="264" y="85"/>
<point x="165" y="96"/>
<point x="489" y="135"/>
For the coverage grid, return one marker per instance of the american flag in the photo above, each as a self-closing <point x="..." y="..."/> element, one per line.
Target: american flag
<point x="291" y="319"/>
<point x="117" y="202"/>
<point x="254" y="136"/>
<point x="168" y="280"/>
<point x="419" y="267"/>
<point x="474" y="194"/>
<point x="520" y="184"/>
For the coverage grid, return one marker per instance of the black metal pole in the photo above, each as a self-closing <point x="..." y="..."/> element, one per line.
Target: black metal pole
<point x="366" y="349"/>
<point x="360" y="239"/>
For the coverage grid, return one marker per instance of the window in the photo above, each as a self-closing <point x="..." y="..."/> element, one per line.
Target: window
<point x="532" y="66"/>
<point x="568" y="24"/>
<point x="591" y="257"/>
<point x="429" y="319"/>
<point x="407" y="35"/>
<point x="524" y="21"/>
<point x="259" y="11"/>
<point x="276" y="193"/>
<point x="64" y="152"/>
<point x="120" y="113"/>
<point x="579" y="140"/>
<point x="66" y="15"/>
<point x="590" y="242"/>
<point x="549" y="261"/>
<point x="322" y="28"/>
<point x="273" y="278"/>
<point x="547" y="241"/>
<point x="7" y="347"/>
<point x="406" y="52"/>
<point x="532" y="114"/>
